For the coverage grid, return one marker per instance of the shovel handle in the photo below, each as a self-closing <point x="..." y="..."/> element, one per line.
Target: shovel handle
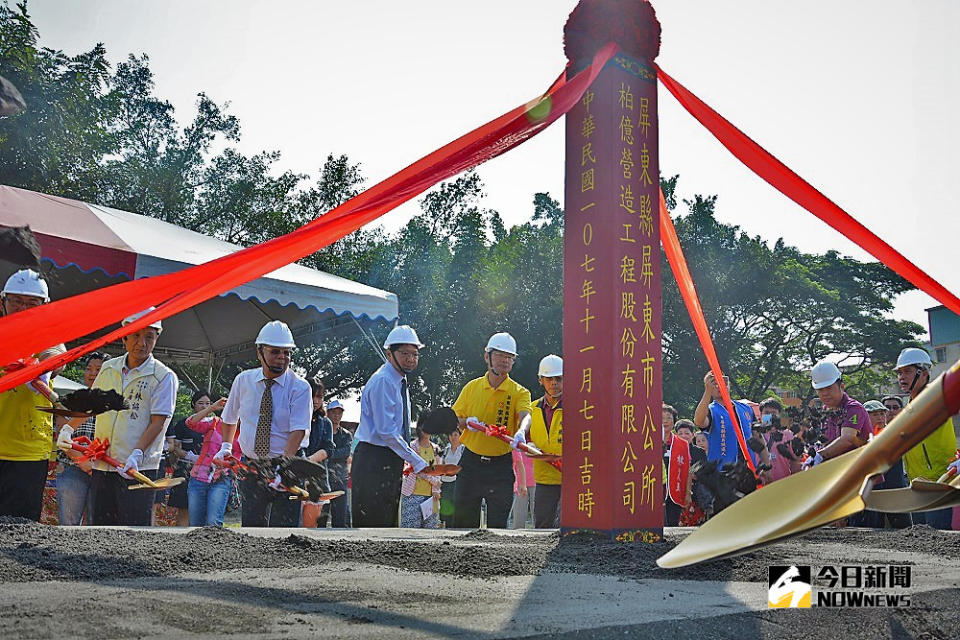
<point x="83" y="445"/>
<point x="139" y="476"/>
<point x="498" y="432"/>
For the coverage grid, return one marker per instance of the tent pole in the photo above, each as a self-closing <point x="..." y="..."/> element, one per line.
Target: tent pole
<point x="183" y="373"/>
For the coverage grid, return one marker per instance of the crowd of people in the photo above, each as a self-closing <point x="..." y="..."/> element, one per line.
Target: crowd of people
<point x="782" y="442"/>
<point x="385" y="474"/>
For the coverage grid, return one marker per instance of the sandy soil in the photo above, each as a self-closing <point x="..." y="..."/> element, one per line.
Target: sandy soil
<point x="118" y="583"/>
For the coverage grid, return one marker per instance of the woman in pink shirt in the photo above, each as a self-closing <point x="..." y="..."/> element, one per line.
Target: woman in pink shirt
<point x="209" y="488"/>
<point x="524" y="487"/>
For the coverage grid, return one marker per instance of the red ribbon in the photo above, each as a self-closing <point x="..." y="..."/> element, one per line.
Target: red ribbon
<point x="33" y="330"/>
<point x="765" y="165"/>
<point x="95" y="449"/>
<point x="681" y="273"/>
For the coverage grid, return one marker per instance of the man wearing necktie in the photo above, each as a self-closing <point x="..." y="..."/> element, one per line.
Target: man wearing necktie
<point x="273" y="407"/>
<point x="383" y="435"/>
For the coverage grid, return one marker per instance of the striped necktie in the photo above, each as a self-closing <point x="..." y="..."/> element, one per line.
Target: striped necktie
<point x="261" y="444"/>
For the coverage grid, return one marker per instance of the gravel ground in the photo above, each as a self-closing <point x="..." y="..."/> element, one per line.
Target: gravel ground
<point x="31" y="552"/>
<point x="348" y="577"/>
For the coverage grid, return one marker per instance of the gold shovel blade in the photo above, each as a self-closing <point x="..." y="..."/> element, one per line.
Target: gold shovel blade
<point x="921" y="495"/>
<point x="158" y="485"/>
<point x="904" y="500"/>
<point x="788" y="507"/>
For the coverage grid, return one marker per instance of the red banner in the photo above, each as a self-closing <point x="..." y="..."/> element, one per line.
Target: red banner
<point x="765" y="165"/>
<point x="678" y="473"/>
<point x="33" y="330"/>
<point x="612" y="312"/>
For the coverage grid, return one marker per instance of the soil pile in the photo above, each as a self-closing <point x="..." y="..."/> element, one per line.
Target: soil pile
<point x="32" y="552"/>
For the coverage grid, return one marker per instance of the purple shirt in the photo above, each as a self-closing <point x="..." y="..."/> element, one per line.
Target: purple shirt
<point x="852" y="415"/>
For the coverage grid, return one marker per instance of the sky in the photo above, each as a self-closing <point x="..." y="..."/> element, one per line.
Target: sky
<point x="860" y="99"/>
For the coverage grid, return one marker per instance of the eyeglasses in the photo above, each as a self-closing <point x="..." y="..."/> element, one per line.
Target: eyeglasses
<point x="23" y="302"/>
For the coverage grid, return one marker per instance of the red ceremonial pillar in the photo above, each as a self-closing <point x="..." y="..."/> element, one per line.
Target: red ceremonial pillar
<point x="612" y="451"/>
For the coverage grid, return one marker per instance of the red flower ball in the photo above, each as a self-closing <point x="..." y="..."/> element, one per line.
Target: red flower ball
<point x="632" y="24"/>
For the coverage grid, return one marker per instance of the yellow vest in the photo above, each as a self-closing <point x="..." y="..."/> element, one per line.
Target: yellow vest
<point x="549" y="441"/>
<point x="26" y="434"/>
<point x="124" y="428"/>
<point x="930" y="458"/>
<point x="500" y="406"/>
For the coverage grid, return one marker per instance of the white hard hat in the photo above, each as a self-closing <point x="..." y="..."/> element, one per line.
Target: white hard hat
<point x="27" y="282"/>
<point x="551" y="366"/>
<point x="155" y="324"/>
<point x="914" y="356"/>
<point x="824" y="374"/>
<point x="276" y="334"/>
<point x="502" y="342"/>
<point x="334" y="404"/>
<point x="402" y="334"/>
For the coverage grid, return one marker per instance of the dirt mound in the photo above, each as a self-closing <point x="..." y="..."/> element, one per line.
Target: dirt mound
<point x="32" y="552"/>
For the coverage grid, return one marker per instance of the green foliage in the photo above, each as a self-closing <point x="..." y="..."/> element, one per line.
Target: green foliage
<point x="774" y="311"/>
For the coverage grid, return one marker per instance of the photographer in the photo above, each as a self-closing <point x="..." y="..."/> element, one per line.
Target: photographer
<point x="785" y="454"/>
<point x="757" y="443"/>
<point x="712" y="417"/>
<point x="770" y="410"/>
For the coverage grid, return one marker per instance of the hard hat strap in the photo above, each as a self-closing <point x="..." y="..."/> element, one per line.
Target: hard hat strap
<point x="490" y="364"/>
<point x="396" y="362"/>
<point x="916" y="378"/>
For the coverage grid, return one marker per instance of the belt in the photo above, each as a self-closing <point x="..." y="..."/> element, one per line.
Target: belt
<point x="486" y="459"/>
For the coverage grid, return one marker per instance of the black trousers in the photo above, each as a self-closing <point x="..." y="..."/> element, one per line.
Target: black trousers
<point x="546" y="508"/>
<point x="481" y="478"/>
<point x="21" y="488"/>
<point x="377" y="474"/>
<point x="671" y="511"/>
<point x="448" y="498"/>
<point x="115" y="504"/>
<point x="262" y="506"/>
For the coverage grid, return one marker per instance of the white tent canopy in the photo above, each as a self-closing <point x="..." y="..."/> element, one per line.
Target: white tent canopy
<point x="91" y="246"/>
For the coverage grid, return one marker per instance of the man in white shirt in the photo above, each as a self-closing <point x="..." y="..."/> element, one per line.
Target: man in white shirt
<point x="273" y="407"/>
<point x="136" y="434"/>
<point x="384" y="433"/>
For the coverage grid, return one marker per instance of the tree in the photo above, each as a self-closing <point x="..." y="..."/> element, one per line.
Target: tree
<point x="56" y="144"/>
<point x="774" y="311"/>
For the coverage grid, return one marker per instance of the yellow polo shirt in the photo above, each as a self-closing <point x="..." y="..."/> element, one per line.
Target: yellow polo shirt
<point x="26" y="434"/>
<point x="500" y="406"/>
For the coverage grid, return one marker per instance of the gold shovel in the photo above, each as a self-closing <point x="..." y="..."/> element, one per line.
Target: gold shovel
<point x="823" y="494"/>
<point x="921" y="495"/>
<point x="154" y="485"/>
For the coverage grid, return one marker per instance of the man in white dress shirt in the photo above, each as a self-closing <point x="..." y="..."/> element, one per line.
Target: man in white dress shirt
<point x="384" y="433"/>
<point x="272" y="406"/>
